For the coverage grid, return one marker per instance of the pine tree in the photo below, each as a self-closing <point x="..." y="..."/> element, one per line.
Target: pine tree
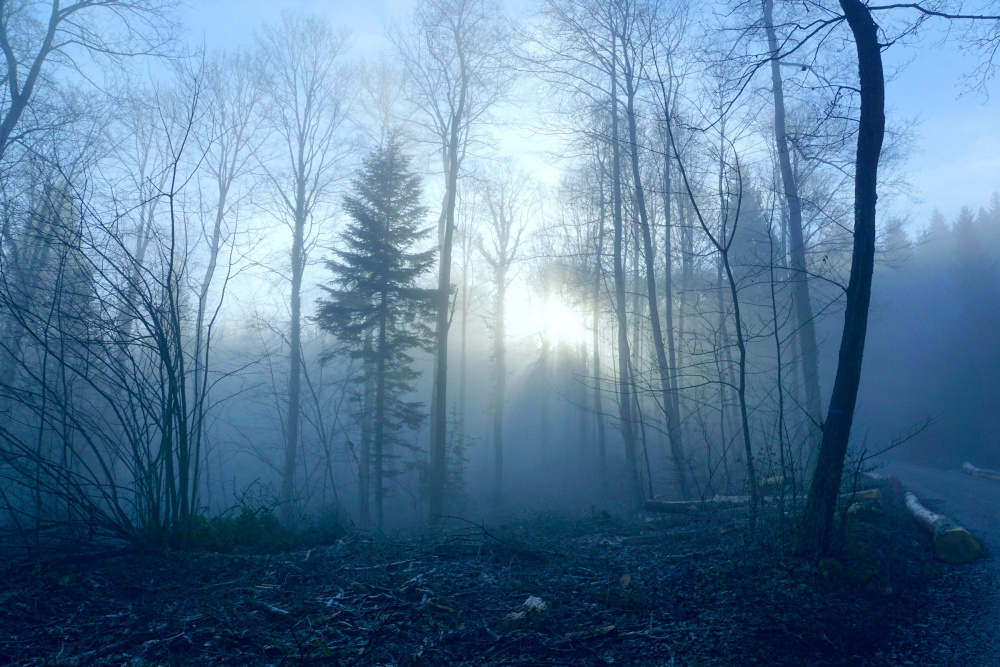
<point x="374" y="304"/>
<point x="896" y="247"/>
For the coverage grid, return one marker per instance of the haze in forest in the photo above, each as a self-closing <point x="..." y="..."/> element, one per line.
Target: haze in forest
<point x="402" y="260"/>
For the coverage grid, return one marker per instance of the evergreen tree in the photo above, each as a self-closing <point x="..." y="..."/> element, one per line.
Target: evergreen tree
<point x="896" y="247"/>
<point x="374" y="304"/>
<point x="973" y="270"/>
<point x="937" y="231"/>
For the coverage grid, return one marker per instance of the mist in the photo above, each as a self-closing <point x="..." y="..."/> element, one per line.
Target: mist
<point x="352" y="275"/>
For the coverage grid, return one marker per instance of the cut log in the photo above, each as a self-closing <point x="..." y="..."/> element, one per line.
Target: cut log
<point x="970" y="469"/>
<point x="727" y="502"/>
<point x="875" y="480"/>
<point x="952" y="543"/>
<point x="777" y="481"/>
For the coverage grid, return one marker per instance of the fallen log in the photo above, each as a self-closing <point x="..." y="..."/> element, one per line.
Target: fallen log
<point x="875" y="480"/>
<point x="970" y="469"/>
<point x="685" y="506"/>
<point x="952" y="543"/>
<point x="778" y="481"/>
<point x="868" y="495"/>
<point x="727" y="502"/>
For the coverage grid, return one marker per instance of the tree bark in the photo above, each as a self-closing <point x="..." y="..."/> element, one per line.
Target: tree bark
<point x="800" y="283"/>
<point x="439" y="399"/>
<point x="624" y="389"/>
<point x="676" y="434"/>
<point x="970" y="469"/>
<point x="673" y="420"/>
<point x="365" y="456"/>
<point x="463" y="352"/>
<point x="602" y="461"/>
<point x="295" y="356"/>
<point x="380" y="415"/>
<point x="500" y="387"/>
<point x="817" y="521"/>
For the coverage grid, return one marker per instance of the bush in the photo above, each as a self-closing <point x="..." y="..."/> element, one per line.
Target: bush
<point x="326" y="528"/>
<point x="249" y="529"/>
<point x="251" y="525"/>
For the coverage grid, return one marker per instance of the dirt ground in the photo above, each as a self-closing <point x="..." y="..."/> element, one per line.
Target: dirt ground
<point x="693" y="590"/>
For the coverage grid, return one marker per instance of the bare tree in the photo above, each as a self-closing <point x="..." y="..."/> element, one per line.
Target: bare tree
<point x="468" y="232"/>
<point x="817" y="519"/>
<point x="635" y="51"/>
<point x="797" y="250"/>
<point x="508" y="201"/>
<point x="306" y="110"/>
<point x="36" y="36"/>
<point x="230" y="138"/>
<point x="456" y="63"/>
<point x="117" y="400"/>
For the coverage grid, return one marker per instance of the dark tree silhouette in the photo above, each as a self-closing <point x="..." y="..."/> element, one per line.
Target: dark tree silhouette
<point x="374" y="293"/>
<point x="817" y="521"/>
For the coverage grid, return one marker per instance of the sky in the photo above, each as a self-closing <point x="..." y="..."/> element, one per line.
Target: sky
<point x="955" y="157"/>
<point x="955" y="150"/>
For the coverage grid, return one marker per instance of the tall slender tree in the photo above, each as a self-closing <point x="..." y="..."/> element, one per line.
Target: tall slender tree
<point x="790" y="190"/>
<point x="817" y="519"/>
<point x="456" y="62"/>
<point x="307" y="108"/>
<point x="506" y="197"/>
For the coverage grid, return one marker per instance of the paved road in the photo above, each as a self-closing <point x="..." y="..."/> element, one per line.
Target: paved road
<point x="973" y="502"/>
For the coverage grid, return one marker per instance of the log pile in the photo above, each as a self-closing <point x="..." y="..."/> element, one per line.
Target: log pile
<point x="952" y="543"/>
<point x="970" y="469"/>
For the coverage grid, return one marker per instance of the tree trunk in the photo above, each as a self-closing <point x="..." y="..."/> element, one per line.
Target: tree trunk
<point x="817" y="520"/>
<point x="970" y="469"/>
<point x="467" y="261"/>
<point x="665" y="373"/>
<point x="439" y="400"/>
<point x="800" y="283"/>
<point x="295" y="360"/>
<point x="676" y="433"/>
<point x="624" y="390"/>
<point x="380" y="416"/>
<point x="365" y="456"/>
<point x="500" y="386"/>
<point x="602" y="461"/>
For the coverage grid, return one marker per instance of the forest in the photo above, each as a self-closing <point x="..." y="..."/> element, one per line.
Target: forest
<point x="330" y="346"/>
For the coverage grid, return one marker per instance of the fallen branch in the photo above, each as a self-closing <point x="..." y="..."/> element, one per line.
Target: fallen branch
<point x="596" y="633"/>
<point x="640" y="540"/>
<point x="970" y="469"/>
<point x="952" y="543"/>
<point x="270" y="609"/>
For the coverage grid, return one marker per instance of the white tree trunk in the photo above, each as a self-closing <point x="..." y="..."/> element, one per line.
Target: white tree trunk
<point x="952" y="543"/>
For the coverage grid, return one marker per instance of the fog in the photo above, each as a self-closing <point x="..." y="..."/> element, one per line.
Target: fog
<point x="496" y="260"/>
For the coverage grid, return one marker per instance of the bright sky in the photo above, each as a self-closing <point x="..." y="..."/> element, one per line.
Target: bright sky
<point x="956" y="151"/>
<point x="956" y="156"/>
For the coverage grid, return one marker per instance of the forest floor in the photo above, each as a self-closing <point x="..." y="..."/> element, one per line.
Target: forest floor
<point x="704" y="590"/>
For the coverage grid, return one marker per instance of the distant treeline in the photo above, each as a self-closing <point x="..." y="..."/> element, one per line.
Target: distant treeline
<point x="933" y="347"/>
